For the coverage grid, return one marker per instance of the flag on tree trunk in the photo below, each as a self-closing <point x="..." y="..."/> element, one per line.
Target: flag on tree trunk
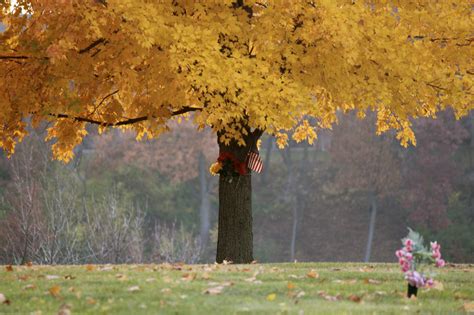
<point x="254" y="162"/>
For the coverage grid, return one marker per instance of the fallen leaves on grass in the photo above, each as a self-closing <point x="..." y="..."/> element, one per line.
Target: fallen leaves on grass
<point x="29" y="287"/>
<point x="90" y="267"/>
<point x="355" y="298"/>
<point x="65" y="309"/>
<point x="121" y="277"/>
<point x="372" y="281"/>
<point x="369" y="268"/>
<point x="69" y="277"/>
<point x="468" y="307"/>
<point x="55" y="290"/>
<point x="134" y="288"/>
<point x="312" y="274"/>
<point x="214" y="290"/>
<point x="271" y="297"/>
<point x="90" y="301"/>
<point x="349" y="281"/>
<point x="188" y="277"/>
<point x="52" y="277"/>
<point x="106" y="268"/>
<point x="9" y="268"/>
<point x="253" y="278"/>
<point x="217" y="288"/>
<point x="329" y="297"/>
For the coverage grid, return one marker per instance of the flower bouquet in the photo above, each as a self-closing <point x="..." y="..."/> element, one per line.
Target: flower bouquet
<point x="228" y="165"/>
<point x="414" y="258"/>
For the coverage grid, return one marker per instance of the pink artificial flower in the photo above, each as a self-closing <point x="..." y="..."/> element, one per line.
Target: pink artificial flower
<point x="440" y="263"/>
<point x="415" y="279"/>
<point x="429" y="282"/>
<point x="408" y="245"/>
<point x="435" y="246"/>
<point x="399" y="253"/>
<point x="436" y="254"/>
<point x="406" y="266"/>
<point x="409" y="256"/>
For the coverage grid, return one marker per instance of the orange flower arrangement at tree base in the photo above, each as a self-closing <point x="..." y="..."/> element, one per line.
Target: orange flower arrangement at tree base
<point x="228" y="165"/>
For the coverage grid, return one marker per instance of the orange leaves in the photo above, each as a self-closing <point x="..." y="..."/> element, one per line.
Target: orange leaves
<point x="468" y="307"/>
<point x="9" y="268"/>
<point x="355" y="298"/>
<point x="312" y="274"/>
<point x="55" y="290"/>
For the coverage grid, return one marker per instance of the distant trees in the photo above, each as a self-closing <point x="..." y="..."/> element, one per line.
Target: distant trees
<point x="48" y="219"/>
<point x="124" y="204"/>
<point x="181" y="156"/>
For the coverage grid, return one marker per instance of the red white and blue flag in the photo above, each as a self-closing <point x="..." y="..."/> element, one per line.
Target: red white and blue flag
<point x="254" y="162"/>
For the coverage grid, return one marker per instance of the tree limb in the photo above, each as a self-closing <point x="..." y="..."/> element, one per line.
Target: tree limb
<point x="129" y="121"/>
<point x="92" y="45"/>
<point x="13" y="57"/>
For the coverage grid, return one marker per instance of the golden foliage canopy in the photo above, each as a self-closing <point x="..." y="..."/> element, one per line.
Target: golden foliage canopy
<point x="283" y="67"/>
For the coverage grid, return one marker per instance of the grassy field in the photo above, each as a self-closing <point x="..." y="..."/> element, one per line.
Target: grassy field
<point x="300" y="288"/>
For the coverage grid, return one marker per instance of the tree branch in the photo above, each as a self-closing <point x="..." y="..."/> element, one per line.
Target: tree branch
<point x="82" y="51"/>
<point x="92" y="45"/>
<point x="129" y="121"/>
<point x="13" y="57"/>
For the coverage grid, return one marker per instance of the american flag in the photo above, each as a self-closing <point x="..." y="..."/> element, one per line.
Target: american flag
<point x="254" y="162"/>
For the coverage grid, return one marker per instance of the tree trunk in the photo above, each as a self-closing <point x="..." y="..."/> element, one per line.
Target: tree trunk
<point x="205" y="207"/>
<point x="373" y="213"/>
<point x="235" y="236"/>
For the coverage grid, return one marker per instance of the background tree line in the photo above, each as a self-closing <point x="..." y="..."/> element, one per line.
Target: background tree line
<point x="349" y="197"/>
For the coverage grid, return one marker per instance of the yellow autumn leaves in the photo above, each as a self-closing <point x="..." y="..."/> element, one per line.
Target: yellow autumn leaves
<point x="288" y="69"/>
<point x="215" y="168"/>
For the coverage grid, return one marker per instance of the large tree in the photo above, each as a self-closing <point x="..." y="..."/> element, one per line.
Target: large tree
<point x="242" y="67"/>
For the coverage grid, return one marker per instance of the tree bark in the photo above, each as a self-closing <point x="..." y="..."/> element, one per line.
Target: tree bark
<point x="235" y="236"/>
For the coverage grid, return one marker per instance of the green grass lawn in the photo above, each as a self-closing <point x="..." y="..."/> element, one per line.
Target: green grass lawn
<point x="300" y="288"/>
